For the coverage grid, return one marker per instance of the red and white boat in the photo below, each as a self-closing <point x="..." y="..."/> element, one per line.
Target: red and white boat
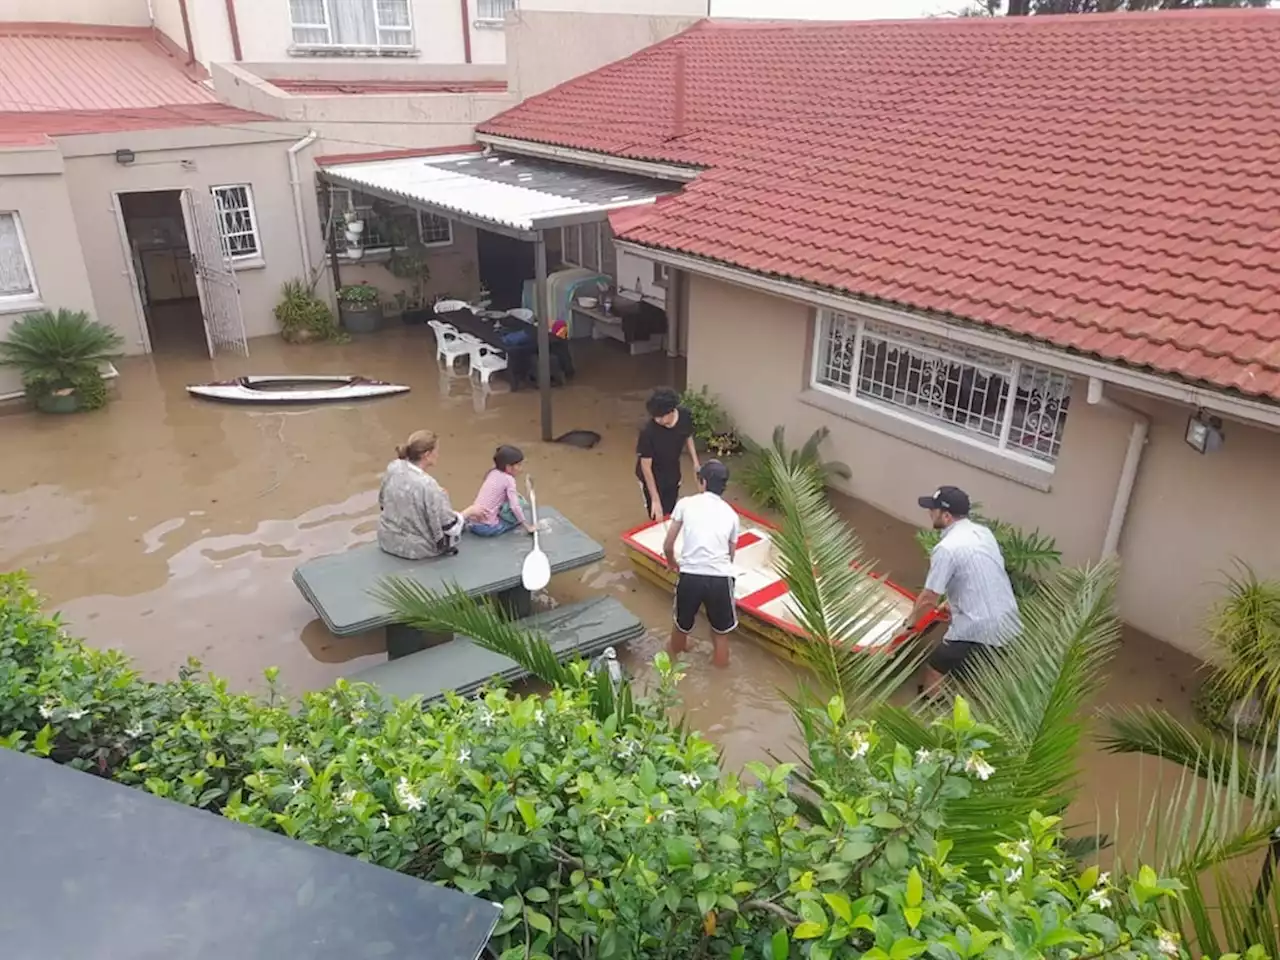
<point x="763" y="599"/>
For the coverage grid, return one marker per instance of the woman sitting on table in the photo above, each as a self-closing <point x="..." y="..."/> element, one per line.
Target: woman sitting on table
<point x="417" y="521"/>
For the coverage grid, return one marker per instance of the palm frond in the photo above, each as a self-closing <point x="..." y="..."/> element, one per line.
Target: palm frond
<point x="836" y="600"/>
<point x="1159" y="734"/>
<point x="1245" y="630"/>
<point x="478" y="620"/>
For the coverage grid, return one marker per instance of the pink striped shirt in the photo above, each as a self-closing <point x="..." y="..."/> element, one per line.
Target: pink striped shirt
<point x="498" y="486"/>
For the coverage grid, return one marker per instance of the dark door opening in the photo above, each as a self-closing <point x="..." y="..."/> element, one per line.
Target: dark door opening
<point x="156" y="227"/>
<point x="505" y="263"/>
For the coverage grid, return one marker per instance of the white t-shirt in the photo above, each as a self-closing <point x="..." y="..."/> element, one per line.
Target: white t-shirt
<point x="710" y="529"/>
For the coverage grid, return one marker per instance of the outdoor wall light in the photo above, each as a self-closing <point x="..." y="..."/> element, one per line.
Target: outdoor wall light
<point x="1204" y="433"/>
<point x="125" y="157"/>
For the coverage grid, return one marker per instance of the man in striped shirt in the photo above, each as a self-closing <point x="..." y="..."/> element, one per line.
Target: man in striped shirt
<point x="967" y="568"/>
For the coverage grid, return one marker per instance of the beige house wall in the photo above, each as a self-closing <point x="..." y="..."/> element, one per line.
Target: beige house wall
<point x="1189" y="515"/>
<point x="115" y="13"/>
<point x="209" y="157"/>
<point x="453" y="270"/>
<point x="32" y="185"/>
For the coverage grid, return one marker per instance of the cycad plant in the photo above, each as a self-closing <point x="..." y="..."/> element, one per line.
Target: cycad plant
<point x="61" y="352"/>
<point x="1029" y="556"/>
<point x="761" y="480"/>
<point x="1034" y="692"/>
<point x="1243" y="687"/>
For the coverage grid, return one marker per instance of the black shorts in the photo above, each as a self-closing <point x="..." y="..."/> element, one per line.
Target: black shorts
<point x="668" y="494"/>
<point x="956" y="656"/>
<point x="714" y="595"/>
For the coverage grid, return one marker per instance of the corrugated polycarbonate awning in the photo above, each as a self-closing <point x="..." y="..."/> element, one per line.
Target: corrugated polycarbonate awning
<point x="513" y="195"/>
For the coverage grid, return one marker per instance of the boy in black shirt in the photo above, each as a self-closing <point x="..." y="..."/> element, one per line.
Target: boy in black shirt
<point x="668" y="433"/>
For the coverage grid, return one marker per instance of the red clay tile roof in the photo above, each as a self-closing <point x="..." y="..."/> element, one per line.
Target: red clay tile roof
<point x="1107" y="183"/>
<point x="58" y="79"/>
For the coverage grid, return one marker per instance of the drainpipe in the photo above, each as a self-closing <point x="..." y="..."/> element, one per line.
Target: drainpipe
<point x="466" y="31"/>
<point x="235" y="30"/>
<point x="1129" y="471"/>
<point x="186" y="32"/>
<point x="295" y="181"/>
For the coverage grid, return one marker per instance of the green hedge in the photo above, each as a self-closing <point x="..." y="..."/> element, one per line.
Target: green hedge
<point x="599" y="839"/>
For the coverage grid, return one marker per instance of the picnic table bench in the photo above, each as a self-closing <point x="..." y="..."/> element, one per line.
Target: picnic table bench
<point x="579" y="629"/>
<point x="340" y="586"/>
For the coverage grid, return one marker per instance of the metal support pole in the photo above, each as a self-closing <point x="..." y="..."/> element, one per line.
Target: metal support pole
<point x="544" y="331"/>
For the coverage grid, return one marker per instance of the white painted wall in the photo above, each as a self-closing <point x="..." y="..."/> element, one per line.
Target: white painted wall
<point x="115" y="13"/>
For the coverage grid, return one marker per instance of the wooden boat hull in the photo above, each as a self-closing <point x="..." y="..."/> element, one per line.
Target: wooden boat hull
<point x="295" y="389"/>
<point x="754" y="621"/>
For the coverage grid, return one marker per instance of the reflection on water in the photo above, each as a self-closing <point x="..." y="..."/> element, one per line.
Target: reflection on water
<point x="170" y="527"/>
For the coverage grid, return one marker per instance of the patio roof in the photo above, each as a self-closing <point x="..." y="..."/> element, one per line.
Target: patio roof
<point x="515" y="196"/>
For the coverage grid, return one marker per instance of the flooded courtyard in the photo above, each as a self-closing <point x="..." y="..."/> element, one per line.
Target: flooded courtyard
<point x="170" y="528"/>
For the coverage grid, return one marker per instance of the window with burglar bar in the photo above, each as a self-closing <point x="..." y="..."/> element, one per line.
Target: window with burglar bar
<point x="237" y="221"/>
<point x="17" y="278"/>
<point x="356" y="24"/>
<point x="997" y="401"/>
<point x="494" y="9"/>
<point x="386" y="225"/>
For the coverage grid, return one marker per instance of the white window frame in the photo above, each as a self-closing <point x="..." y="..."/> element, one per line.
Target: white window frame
<point x="335" y="44"/>
<point x="422" y="233"/>
<point x="486" y="10"/>
<point x="252" y="209"/>
<point x="9" y="301"/>
<point x="981" y="362"/>
<point x="572" y="253"/>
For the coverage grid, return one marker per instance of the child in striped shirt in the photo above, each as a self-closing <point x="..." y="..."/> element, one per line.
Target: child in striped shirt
<point x="497" y="507"/>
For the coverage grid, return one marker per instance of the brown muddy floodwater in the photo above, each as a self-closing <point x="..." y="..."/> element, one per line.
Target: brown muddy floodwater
<point x="170" y="527"/>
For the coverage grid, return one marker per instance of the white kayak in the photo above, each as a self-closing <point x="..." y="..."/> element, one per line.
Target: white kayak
<point x="294" y="389"/>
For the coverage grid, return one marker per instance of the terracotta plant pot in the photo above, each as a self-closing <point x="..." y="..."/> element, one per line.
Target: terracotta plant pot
<point x="360" y="317"/>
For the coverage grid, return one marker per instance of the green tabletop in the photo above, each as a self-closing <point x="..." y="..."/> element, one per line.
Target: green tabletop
<point x="339" y="586"/>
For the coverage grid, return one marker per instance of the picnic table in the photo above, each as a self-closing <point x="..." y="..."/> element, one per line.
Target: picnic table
<point x="340" y="586"/>
<point x="488" y="327"/>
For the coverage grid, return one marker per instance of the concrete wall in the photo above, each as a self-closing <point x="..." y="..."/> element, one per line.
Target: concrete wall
<point x="1190" y="515"/>
<point x="208" y="157"/>
<point x="32" y="184"/>
<point x="454" y="270"/>
<point x="361" y="124"/>
<point x="115" y="13"/>
<point x="544" y="49"/>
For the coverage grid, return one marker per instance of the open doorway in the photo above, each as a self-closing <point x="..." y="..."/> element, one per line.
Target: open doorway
<point x="156" y="228"/>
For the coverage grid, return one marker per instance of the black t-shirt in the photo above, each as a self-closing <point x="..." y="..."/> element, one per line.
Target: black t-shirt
<point x="663" y="445"/>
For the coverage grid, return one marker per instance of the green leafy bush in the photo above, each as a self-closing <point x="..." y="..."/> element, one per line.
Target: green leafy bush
<point x="61" y="352"/>
<point x="303" y="316"/>
<point x="760" y="479"/>
<point x="601" y="838"/>
<point x="711" y="425"/>
<point x="359" y="293"/>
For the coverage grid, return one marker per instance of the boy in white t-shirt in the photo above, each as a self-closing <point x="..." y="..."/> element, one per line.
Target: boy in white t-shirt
<point x="705" y="563"/>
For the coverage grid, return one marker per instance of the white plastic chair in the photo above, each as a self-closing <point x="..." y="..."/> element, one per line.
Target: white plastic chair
<point x="450" y="345"/>
<point x="451" y="306"/>
<point x="439" y="328"/>
<point x="486" y="361"/>
<point x="521" y="313"/>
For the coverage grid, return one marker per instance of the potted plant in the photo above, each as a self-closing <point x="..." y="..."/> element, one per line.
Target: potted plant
<point x="303" y="316"/>
<point x="412" y="263"/>
<point x="360" y="308"/>
<point x="60" y="357"/>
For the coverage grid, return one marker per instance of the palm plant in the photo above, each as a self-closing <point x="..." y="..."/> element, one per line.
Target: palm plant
<point x="61" y="352"/>
<point x="761" y="481"/>
<point x="1033" y="693"/>
<point x="1244" y="630"/>
<point x="1029" y="557"/>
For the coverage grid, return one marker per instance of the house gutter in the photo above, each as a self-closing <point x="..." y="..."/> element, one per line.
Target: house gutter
<point x="186" y="32"/>
<point x="1129" y="469"/>
<point x="295" y="181"/>
<point x="586" y="158"/>
<point x="234" y="24"/>
<point x="1212" y="401"/>
<point x="466" y="31"/>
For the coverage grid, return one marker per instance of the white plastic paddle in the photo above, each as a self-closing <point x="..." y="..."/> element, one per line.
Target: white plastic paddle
<point x="537" y="568"/>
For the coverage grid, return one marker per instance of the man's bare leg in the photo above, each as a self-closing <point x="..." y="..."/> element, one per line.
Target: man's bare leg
<point x="932" y="681"/>
<point x="678" y="643"/>
<point x="720" y="654"/>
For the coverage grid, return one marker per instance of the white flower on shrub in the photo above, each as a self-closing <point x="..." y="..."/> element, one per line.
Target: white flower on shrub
<point x="1099" y="899"/>
<point x="539" y="717"/>
<point x="923" y="755"/>
<point x="667" y="815"/>
<point x="365" y="758"/>
<point x="348" y="796"/>
<point x="296" y="787"/>
<point x="690" y="780"/>
<point x="987" y="899"/>
<point x="464" y="755"/>
<point x="302" y="761"/>
<point x="1104" y="879"/>
<point x="1167" y="943"/>
<point x="407" y="797"/>
<point x="859" y="744"/>
<point x="386" y="820"/>
<point x="979" y="767"/>
<point x="135" y="730"/>
<point x="628" y="748"/>
<point x="1014" y="875"/>
<point x="47" y="708"/>
<point x="75" y="714"/>
<point x="487" y="717"/>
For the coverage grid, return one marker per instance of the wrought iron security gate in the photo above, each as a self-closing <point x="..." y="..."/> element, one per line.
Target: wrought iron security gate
<point x="215" y="277"/>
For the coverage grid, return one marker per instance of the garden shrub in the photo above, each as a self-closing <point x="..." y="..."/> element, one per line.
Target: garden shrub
<point x="601" y="839"/>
